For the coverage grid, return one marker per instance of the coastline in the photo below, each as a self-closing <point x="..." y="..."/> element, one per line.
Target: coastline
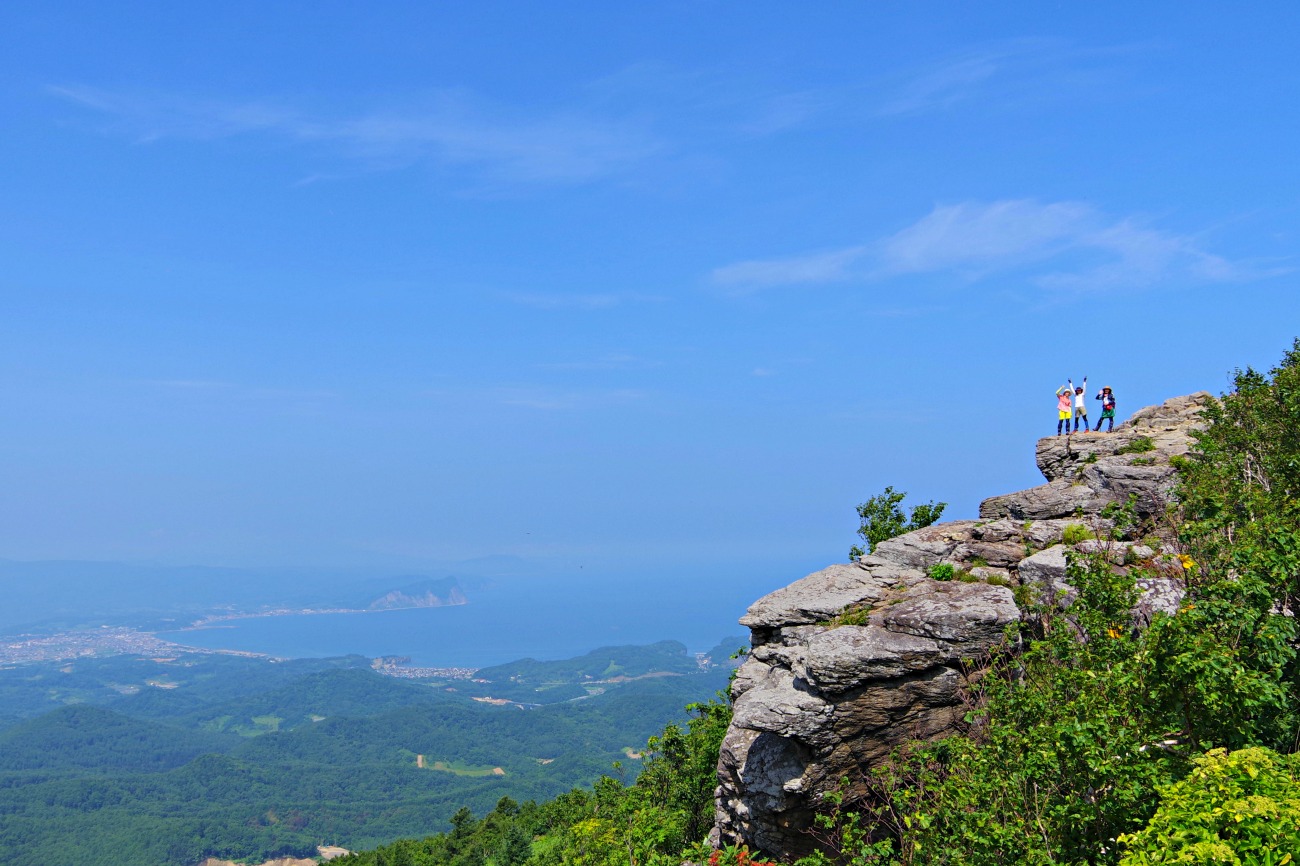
<point x="106" y="640"/>
<point x="209" y="622"/>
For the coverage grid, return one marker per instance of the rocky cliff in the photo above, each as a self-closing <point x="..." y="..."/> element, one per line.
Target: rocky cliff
<point x="852" y="661"/>
<point x="426" y="593"/>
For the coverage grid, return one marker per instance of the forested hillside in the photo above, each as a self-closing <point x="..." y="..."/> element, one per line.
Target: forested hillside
<point x="245" y="758"/>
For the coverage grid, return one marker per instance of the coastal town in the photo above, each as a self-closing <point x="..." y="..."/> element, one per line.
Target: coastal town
<point x="85" y="643"/>
<point x="106" y="640"/>
<point x="122" y="640"/>
<point x="401" y="668"/>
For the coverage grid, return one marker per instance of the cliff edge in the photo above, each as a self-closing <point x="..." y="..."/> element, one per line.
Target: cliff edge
<point x="854" y="660"/>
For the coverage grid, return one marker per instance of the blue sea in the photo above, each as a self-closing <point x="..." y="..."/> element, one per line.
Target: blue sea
<point x="540" y="619"/>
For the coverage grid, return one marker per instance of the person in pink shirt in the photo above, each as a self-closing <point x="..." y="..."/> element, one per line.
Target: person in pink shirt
<point x="1064" y="407"/>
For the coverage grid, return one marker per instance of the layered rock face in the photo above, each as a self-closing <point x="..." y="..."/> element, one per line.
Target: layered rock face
<point x="1078" y="485"/>
<point x="852" y="661"/>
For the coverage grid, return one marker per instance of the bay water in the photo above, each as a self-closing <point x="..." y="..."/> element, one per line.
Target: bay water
<point x="505" y="621"/>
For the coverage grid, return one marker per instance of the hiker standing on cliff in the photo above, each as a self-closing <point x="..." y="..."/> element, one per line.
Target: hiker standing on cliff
<point x="1080" y="404"/>
<point x="1063" y="408"/>
<point x="1107" y="398"/>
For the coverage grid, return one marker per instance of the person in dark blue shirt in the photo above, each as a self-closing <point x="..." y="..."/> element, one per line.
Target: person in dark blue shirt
<point x="1107" y="398"/>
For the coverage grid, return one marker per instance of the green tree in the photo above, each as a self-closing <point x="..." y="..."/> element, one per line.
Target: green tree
<point x="1231" y="655"/>
<point x="1240" y="487"/>
<point x="517" y="846"/>
<point x="882" y="518"/>
<point x="680" y="770"/>
<point x="1234" y="808"/>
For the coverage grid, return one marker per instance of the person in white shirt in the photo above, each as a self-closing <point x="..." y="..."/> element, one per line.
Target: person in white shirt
<point x="1080" y="404"/>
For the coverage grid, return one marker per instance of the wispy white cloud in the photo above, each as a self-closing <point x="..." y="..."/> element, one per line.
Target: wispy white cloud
<point x="644" y="114"/>
<point x="150" y="117"/>
<point x="978" y="236"/>
<point x="1061" y="245"/>
<point x="451" y="128"/>
<point x="822" y="267"/>
<point x="1007" y="73"/>
<point x="1056" y="245"/>
<point x="1136" y="256"/>
<point x="782" y="111"/>
<point x="945" y="84"/>
<point x="716" y="101"/>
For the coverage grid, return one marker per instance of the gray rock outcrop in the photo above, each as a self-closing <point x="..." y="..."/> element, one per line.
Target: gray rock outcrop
<point x="857" y="659"/>
<point x="1085" y="472"/>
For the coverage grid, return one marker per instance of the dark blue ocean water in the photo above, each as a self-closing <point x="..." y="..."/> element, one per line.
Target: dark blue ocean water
<point x="541" y="619"/>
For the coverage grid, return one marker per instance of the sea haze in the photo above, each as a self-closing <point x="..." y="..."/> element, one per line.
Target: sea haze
<point x="507" y="620"/>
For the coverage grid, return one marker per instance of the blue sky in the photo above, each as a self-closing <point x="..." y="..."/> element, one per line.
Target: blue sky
<point x="668" y="285"/>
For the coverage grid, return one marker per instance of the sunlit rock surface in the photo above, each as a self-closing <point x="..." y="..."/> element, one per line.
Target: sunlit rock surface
<point x="858" y="658"/>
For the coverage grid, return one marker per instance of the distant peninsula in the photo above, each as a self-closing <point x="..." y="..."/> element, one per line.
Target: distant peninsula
<point x="426" y="592"/>
<point x="438" y="592"/>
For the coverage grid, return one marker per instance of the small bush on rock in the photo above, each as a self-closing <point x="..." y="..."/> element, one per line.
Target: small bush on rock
<point x="942" y="571"/>
<point x="1138" y="445"/>
<point x="1075" y="533"/>
<point x="853" y="614"/>
<point x="882" y="518"/>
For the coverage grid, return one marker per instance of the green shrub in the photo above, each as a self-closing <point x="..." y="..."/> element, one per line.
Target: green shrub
<point x="1137" y="445"/>
<point x="853" y="614"/>
<point x="881" y="518"/>
<point x="942" y="571"/>
<point x="997" y="580"/>
<point x="1025" y="596"/>
<point x="1233" y="808"/>
<point x="1122" y="515"/>
<point x="1142" y="461"/>
<point x="1075" y="533"/>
